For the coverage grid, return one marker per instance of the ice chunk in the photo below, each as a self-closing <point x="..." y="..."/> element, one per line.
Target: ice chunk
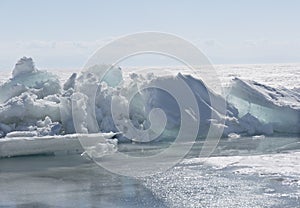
<point x="24" y="66"/>
<point x="279" y="107"/>
<point x="44" y="123"/>
<point x="259" y="137"/>
<point x="153" y="98"/>
<point x="67" y="144"/>
<point x="112" y="75"/>
<point x="5" y="128"/>
<point x="47" y="127"/>
<point x="21" y="134"/>
<point x="27" y="107"/>
<point x="101" y="149"/>
<point x="70" y="83"/>
<point x="234" y="136"/>
<point x="65" y="108"/>
<point x="26" y="78"/>
<point x="253" y="126"/>
<point x="10" y="90"/>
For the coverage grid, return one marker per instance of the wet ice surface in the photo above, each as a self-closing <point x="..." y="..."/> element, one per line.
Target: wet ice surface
<point x="68" y="181"/>
<point x="245" y="172"/>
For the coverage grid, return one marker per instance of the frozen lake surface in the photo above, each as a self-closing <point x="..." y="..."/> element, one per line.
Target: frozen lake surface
<point x="246" y="172"/>
<point x="68" y="181"/>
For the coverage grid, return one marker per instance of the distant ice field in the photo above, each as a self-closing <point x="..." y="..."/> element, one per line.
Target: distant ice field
<point x="274" y="75"/>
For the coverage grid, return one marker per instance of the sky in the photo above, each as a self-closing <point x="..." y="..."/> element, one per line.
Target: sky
<point x="64" y="34"/>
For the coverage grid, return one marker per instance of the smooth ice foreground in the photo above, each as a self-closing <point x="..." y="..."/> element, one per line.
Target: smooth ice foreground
<point x="253" y="174"/>
<point x="68" y="181"/>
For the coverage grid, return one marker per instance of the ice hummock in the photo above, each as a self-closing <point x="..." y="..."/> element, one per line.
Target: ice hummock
<point x="70" y="83"/>
<point x="278" y="107"/>
<point x="26" y="78"/>
<point x="152" y="98"/>
<point x="34" y="103"/>
<point x="24" y="66"/>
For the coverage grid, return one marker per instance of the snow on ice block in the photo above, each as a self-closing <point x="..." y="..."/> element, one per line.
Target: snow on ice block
<point x="26" y="78"/>
<point x="66" y="144"/>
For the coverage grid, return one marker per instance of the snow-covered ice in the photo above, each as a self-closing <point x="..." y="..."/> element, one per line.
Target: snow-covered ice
<point x="251" y="178"/>
<point x="32" y="95"/>
<point x="27" y="143"/>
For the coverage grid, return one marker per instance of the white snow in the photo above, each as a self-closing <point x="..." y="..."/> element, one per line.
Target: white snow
<point x="272" y="164"/>
<point x="269" y="180"/>
<point x="26" y="78"/>
<point x="25" y="144"/>
<point x="27" y="107"/>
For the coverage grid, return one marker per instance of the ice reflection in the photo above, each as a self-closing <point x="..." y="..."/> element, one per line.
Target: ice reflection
<point x="67" y="181"/>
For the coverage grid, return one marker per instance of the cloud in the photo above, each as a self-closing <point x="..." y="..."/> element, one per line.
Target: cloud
<point x="211" y="43"/>
<point x="48" y="53"/>
<point x="61" y="54"/>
